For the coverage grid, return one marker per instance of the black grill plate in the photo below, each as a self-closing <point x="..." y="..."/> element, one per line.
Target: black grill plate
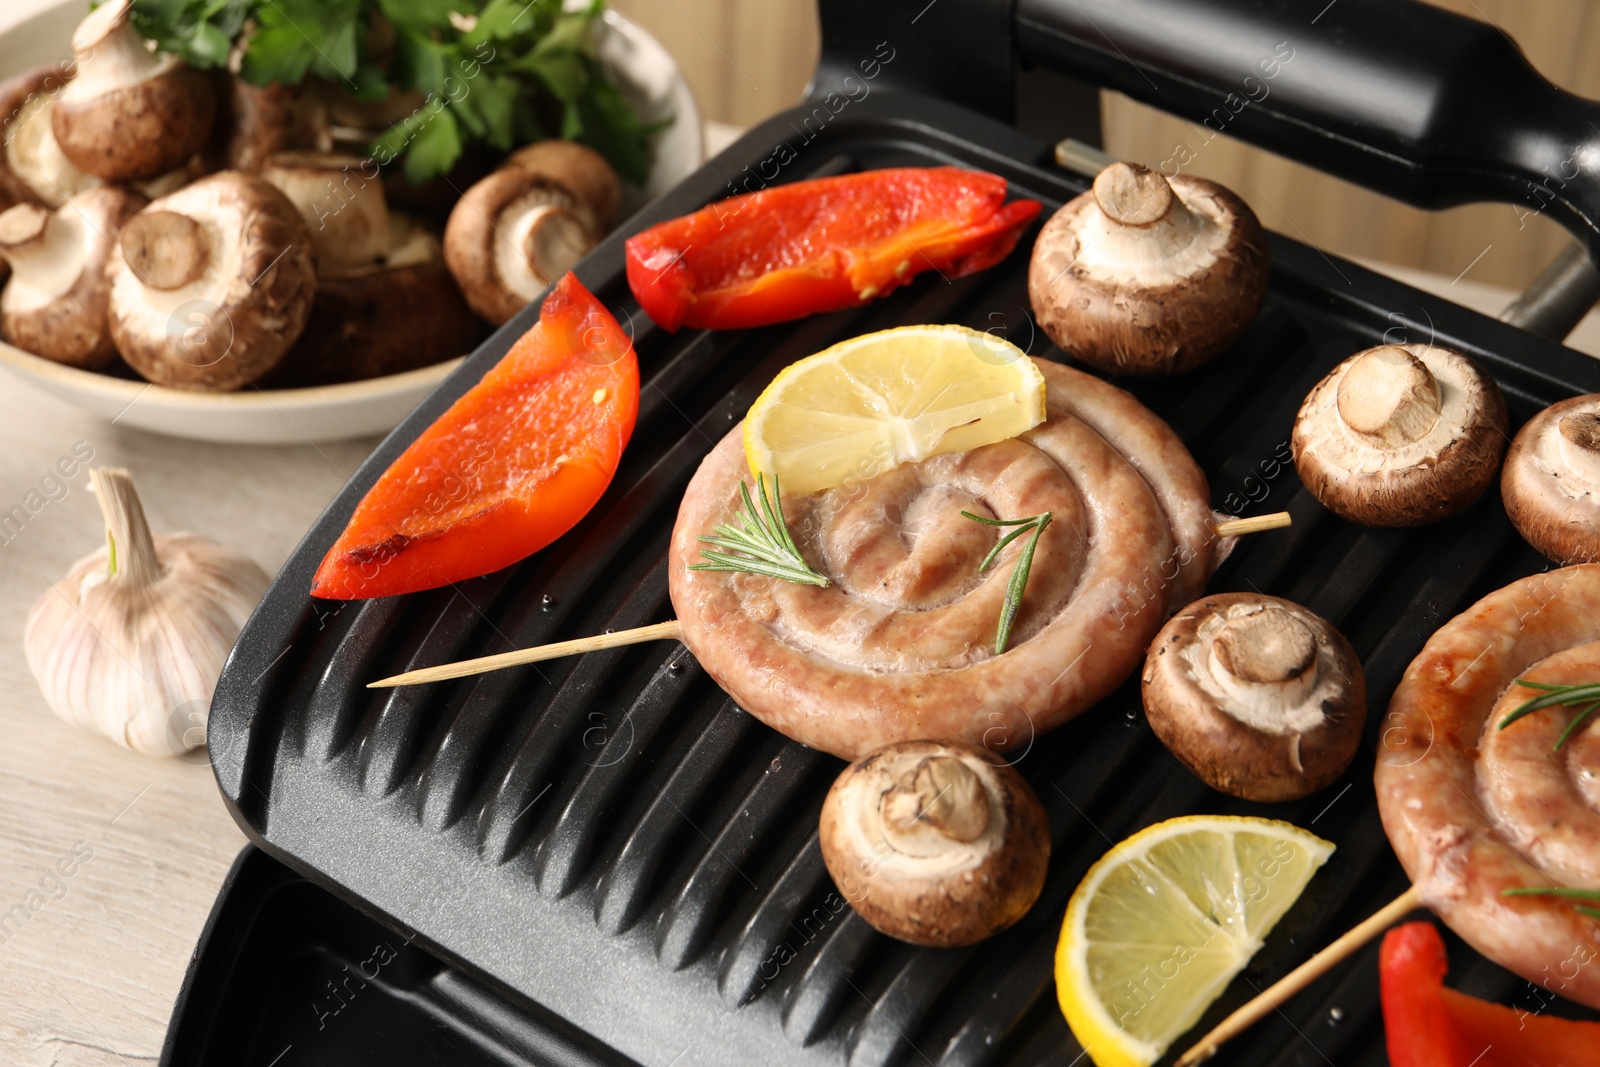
<point x="612" y="838"/>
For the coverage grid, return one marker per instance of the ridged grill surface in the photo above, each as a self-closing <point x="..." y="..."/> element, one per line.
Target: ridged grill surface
<point x="612" y="837"/>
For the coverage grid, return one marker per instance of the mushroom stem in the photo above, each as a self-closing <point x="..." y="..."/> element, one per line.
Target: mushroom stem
<point x="1134" y="195"/>
<point x="554" y="241"/>
<point x="22" y="230"/>
<point x="1143" y="233"/>
<point x="940" y="796"/>
<point x="41" y="247"/>
<point x="1389" y="397"/>
<point x="164" y="249"/>
<point x="108" y="47"/>
<point x="1579" y="445"/>
<point x="1266" y="659"/>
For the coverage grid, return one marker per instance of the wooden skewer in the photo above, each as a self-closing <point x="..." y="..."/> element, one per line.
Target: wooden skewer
<point x="672" y="631"/>
<point x="1254" y="524"/>
<point x="1300" y="977"/>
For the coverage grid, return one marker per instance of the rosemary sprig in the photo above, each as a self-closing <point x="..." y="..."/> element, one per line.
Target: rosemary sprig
<point x="1587" y="695"/>
<point x="1558" y="891"/>
<point x="764" y="538"/>
<point x="1019" y="574"/>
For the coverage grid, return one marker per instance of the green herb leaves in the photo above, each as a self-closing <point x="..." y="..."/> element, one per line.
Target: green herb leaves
<point x="500" y="73"/>
<point x="1587" y="696"/>
<point x="1558" y="891"/>
<point x="764" y="539"/>
<point x="201" y="31"/>
<point x="1019" y="574"/>
<point x="767" y="547"/>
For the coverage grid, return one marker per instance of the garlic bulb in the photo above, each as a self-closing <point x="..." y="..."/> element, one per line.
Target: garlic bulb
<point x="131" y="642"/>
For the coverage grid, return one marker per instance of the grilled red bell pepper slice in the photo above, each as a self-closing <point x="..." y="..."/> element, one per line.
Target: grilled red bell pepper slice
<point x="511" y="466"/>
<point x="821" y="245"/>
<point x="1427" y="1025"/>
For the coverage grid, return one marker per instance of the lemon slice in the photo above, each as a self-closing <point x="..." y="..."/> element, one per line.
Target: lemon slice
<point x="1161" y="924"/>
<point x="873" y="402"/>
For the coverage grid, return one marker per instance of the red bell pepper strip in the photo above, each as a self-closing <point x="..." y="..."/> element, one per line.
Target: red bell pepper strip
<point x="511" y="466"/>
<point x="821" y="245"/>
<point x="1427" y="1025"/>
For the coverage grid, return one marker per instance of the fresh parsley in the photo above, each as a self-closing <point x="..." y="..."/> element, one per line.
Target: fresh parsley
<point x="499" y="73"/>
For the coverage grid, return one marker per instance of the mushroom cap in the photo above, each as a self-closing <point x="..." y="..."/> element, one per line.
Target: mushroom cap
<point x="395" y="315"/>
<point x="344" y="210"/>
<point x="255" y="122"/>
<point x="230" y="323"/>
<point x="129" y="113"/>
<point x="510" y="236"/>
<point x="581" y="171"/>
<point x="1147" y="275"/>
<point x="33" y="169"/>
<point x="369" y="116"/>
<point x="936" y="843"/>
<point x="1551" y="481"/>
<point x="1401" y="435"/>
<point x="15" y="111"/>
<point x="56" y="303"/>
<point x="1259" y="697"/>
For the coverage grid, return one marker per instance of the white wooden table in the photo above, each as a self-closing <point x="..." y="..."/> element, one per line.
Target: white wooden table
<point x="92" y="951"/>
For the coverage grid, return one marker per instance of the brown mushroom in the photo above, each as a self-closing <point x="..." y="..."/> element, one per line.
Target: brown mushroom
<point x="1147" y="275"/>
<point x="1551" y="481"/>
<point x="256" y="122"/>
<point x="55" y="304"/>
<point x="385" y="301"/>
<point x="129" y="112"/>
<point x="581" y="171"/>
<point x="522" y="227"/>
<point x="936" y="843"/>
<point x="33" y="169"/>
<point x="1259" y="697"/>
<point x="212" y="284"/>
<point x="342" y="203"/>
<point x="1400" y="435"/>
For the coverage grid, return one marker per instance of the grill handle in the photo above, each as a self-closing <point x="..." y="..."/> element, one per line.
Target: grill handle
<point x="1415" y="102"/>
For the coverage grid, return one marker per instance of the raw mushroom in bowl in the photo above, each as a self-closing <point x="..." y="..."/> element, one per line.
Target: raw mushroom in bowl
<point x="936" y="843"/>
<point x="129" y="112"/>
<point x="385" y="301"/>
<point x="1401" y="435"/>
<point x="213" y="283"/>
<point x="1259" y="697"/>
<point x="256" y="122"/>
<point x="33" y="169"/>
<point x="1551" y="481"/>
<point x="1146" y="275"/>
<point x="526" y="224"/>
<point x="55" y="304"/>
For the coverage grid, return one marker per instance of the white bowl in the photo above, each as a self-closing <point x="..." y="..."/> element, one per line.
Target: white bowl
<point x="642" y="68"/>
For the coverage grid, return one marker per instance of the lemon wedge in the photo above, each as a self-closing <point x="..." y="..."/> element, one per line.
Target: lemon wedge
<point x="869" y="404"/>
<point x="1161" y="924"/>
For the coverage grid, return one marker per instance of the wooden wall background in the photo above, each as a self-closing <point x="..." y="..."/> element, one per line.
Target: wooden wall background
<point x="749" y="58"/>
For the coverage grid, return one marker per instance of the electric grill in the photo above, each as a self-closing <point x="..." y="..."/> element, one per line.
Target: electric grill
<point x="602" y="860"/>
